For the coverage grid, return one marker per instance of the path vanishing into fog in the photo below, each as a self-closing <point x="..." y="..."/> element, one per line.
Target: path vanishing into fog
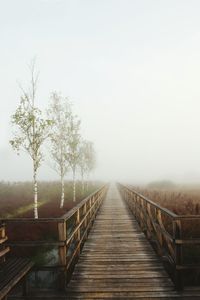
<point x="117" y="261"/>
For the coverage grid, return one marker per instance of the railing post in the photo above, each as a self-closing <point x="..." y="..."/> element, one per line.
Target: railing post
<point x="79" y="230"/>
<point x="159" y="233"/>
<point x="3" y="236"/>
<point x="97" y="205"/>
<point x="62" y="235"/>
<point x="134" y="204"/>
<point x="84" y="212"/>
<point x="136" y="208"/>
<point x="145" y="217"/>
<point x="149" y="227"/>
<point x="90" y="214"/>
<point x="177" y="232"/>
<point x="142" y="215"/>
<point x="152" y="216"/>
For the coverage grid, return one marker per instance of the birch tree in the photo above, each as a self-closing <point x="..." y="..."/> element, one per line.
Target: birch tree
<point x="31" y="129"/>
<point x="86" y="160"/>
<point x="90" y="158"/>
<point x="83" y="162"/>
<point x="60" y="114"/>
<point x="74" y="149"/>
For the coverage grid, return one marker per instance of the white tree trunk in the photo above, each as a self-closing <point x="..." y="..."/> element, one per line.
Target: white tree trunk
<point x="87" y="183"/>
<point x="74" y="186"/>
<point x="62" y="192"/>
<point x="35" y="194"/>
<point x="82" y="184"/>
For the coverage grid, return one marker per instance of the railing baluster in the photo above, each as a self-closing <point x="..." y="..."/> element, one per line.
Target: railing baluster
<point x="62" y="235"/>
<point x="159" y="233"/>
<point x="79" y="231"/>
<point x="149" y="226"/>
<point x="177" y="232"/>
<point x="89" y="209"/>
<point x="149" y="216"/>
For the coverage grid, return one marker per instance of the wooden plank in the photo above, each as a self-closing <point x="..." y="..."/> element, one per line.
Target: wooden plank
<point x="20" y="267"/>
<point x="121" y="288"/>
<point x="117" y="259"/>
<point x="3" y="240"/>
<point x="4" y="251"/>
<point x="127" y="295"/>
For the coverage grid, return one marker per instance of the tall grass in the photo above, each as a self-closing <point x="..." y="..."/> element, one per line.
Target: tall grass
<point x="16" y="198"/>
<point x="182" y="200"/>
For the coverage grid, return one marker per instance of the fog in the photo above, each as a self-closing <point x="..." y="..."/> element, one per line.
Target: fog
<point x="132" y="70"/>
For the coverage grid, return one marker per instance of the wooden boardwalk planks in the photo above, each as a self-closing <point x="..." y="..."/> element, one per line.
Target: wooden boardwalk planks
<point x="117" y="262"/>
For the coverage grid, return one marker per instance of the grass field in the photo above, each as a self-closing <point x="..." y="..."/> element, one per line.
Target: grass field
<point x="181" y="199"/>
<point x="16" y="199"/>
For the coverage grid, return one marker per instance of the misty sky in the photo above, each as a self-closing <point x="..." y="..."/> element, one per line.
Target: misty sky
<point x="132" y="69"/>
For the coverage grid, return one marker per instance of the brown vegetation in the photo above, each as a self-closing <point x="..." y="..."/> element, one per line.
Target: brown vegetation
<point x="16" y="198"/>
<point x="182" y="200"/>
<point x="19" y="195"/>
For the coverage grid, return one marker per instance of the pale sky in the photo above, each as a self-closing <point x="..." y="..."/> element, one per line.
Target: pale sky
<point x="132" y="69"/>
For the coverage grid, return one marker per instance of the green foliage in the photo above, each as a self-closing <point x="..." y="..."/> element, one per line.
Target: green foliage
<point x="31" y="129"/>
<point x="63" y="129"/>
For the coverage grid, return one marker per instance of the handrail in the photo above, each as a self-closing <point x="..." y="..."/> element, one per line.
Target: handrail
<point x="69" y="233"/>
<point x="31" y="220"/>
<point x="164" y="229"/>
<point x="79" y="205"/>
<point x="165" y="210"/>
<point x="83" y="214"/>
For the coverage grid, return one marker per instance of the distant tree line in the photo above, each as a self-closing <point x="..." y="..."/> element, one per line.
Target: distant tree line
<point x="60" y="128"/>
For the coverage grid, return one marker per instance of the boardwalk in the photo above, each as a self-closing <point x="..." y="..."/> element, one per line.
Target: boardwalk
<point x="117" y="262"/>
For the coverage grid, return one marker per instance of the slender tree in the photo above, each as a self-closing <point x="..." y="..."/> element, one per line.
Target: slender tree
<point x="74" y="149"/>
<point x="90" y="158"/>
<point x="83" y="162"/>
<point x="31" y="129"/>
<point x="60" y="114"/>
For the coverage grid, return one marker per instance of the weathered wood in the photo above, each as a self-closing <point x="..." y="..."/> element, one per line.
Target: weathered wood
<point x="117" y="259"/>
<point x="4" y="251"/>
<point x="3" y="240"/>
<point x="62" y="250"/>
<point x="12" y="275"/>
<point x="62" y="234"/>
<point x="117" y="262"/>
<point x="178" y="254"/>
<point x="11" y="270"/>
<point x="83" y="222"/>
<point x="168" y="244"/>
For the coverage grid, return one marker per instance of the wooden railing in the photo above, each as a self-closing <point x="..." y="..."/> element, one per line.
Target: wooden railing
<point x="3" y="238"/>
<point x="75" y="228"/>
<point x="64" y="236"/>
<point x="165" y="230"/>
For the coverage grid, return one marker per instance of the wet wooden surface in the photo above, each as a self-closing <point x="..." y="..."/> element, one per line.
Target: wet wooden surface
<point x="117" y="262"/>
